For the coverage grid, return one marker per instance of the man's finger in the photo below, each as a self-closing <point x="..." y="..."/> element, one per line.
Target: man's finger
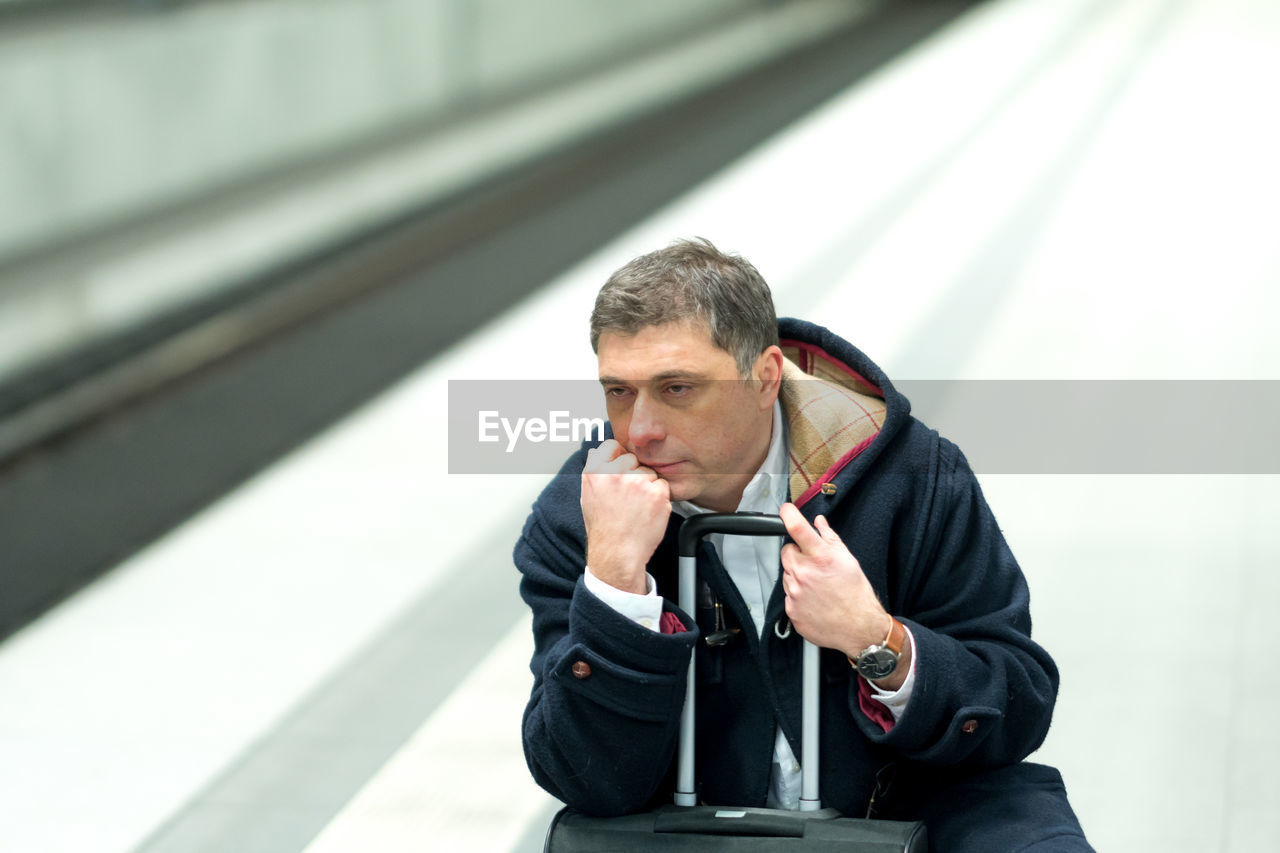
<point x="611" y="449"/>
<point x="624" y="463"/>
<point x="601" y="455"/>
<point x="825" y="530"/>
<point x="788" y="555"/>
<point x="662" y="486"/>
<point x="801" y="532"/>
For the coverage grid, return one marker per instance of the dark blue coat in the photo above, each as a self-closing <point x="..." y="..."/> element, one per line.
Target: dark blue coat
<point x="910" y="509"/>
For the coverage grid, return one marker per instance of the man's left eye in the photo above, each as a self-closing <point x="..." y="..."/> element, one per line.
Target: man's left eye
<point x="679" y="389"/>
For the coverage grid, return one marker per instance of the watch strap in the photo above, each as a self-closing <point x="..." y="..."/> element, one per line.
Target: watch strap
<point x="873" y="662"/>
<point x="897" y="637"/>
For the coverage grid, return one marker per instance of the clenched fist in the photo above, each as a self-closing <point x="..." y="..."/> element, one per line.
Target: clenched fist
<point x="625" y="507"/>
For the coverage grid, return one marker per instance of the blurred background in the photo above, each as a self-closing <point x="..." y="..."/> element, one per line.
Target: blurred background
<point x="246" y="244"/>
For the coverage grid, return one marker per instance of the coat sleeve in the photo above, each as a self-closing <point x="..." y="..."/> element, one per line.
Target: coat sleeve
<point x="602" y="721"/>
<point x="984" y="692"/>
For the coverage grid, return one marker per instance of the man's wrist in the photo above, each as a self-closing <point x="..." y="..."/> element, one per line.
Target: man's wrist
<point x="906" y="664"/>
<point x="884" y="661"/>
<point x="648" y="585"/>
<point x="619" y="574"/>
<point x="645" y="609"/>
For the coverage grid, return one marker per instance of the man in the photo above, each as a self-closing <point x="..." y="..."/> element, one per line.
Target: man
<point x="932" y="692"/>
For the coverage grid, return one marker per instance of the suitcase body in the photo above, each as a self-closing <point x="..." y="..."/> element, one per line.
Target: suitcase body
<point x="706" y="829"/>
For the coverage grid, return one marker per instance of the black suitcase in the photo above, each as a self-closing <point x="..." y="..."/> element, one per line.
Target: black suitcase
<point x="686" y="826"/>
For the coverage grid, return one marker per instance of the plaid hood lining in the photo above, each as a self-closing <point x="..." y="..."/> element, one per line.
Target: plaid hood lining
<point x="832" y="412"/>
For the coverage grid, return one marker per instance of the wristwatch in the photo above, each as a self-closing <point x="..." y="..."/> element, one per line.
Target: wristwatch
<point x="880" y="660"/>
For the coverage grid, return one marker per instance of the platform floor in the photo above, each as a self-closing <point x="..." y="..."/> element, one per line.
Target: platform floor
<point x="333" y="657"/>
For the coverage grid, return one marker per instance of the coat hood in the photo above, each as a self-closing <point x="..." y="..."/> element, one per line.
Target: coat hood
<point x="840" y="407"/>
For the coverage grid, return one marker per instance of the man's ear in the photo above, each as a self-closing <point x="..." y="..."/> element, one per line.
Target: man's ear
<point x="767" y="371"/>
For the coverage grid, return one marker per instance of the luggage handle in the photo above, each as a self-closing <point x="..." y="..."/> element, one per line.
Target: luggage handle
<point x="750" y="822"/>
<point x="741" y="524"/>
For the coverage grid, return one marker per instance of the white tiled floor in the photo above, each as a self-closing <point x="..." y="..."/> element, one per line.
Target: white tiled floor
<point x="1154" y="595"/>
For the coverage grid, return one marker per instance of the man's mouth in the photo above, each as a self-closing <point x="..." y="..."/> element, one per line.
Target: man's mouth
<point x="663" y="468"/>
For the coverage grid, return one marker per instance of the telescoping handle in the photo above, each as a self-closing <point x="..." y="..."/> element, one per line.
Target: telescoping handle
<point x="741" y="524"/>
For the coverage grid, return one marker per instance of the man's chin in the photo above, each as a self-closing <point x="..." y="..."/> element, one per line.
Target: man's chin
<point x="682" y="487"/>
<point x="689" y="487"/>
<point x="708" y="491"/>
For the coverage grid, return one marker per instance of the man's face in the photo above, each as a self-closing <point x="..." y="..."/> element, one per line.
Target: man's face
<point x="678" y="403"/>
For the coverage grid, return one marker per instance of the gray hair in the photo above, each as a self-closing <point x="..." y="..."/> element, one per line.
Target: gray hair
<point x="691" y="280"/>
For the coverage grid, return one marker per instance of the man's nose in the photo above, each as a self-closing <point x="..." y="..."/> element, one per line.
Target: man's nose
<point x="646" y="424"/>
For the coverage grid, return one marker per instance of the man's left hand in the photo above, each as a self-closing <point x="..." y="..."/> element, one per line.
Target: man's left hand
<point x="829" y="599"/>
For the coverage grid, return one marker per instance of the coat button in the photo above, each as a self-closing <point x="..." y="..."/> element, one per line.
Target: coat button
<point x="969" y="727"/>
<point x="581" y="669"/>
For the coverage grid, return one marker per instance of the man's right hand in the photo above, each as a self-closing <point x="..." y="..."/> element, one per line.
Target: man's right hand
<point x="625" y="507"/>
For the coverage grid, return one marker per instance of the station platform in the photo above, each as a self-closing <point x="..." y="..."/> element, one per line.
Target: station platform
<point x="333" y="655"/>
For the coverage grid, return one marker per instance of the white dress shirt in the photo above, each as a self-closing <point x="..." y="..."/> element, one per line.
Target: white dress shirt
<point x="753" y="563"/>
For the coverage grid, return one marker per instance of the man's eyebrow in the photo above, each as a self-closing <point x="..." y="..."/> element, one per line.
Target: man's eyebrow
<point x="664" y="376"/>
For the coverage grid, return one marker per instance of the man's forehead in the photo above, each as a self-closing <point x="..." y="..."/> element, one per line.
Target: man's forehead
<point x="659" y="352"/>
<point x="661" y="376"/>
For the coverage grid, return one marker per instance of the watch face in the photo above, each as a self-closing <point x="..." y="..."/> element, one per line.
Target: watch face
<point x="877" y="663"/>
